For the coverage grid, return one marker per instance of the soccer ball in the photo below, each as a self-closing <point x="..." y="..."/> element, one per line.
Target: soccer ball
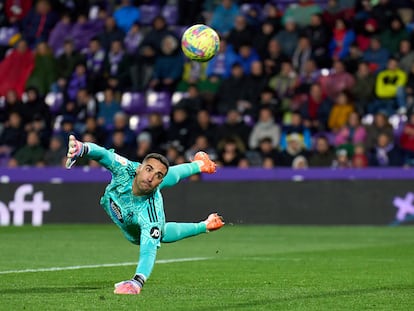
<point x="200" y="43"/>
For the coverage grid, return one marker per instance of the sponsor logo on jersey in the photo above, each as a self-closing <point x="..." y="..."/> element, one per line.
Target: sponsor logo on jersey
<point x="155" y="232"/>
<point x="116" y="211"/>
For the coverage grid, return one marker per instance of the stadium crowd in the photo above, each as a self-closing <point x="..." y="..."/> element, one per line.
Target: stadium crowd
<point x="295" y="83"/>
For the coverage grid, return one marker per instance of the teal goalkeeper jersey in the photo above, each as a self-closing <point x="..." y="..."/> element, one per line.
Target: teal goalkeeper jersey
<point x="140" y="218"/>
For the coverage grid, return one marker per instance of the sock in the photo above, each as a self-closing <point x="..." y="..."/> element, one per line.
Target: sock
<point x="175" y="231"/>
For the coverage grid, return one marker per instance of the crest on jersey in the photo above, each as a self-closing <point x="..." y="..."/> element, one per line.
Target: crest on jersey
<point x="121" y="160"/>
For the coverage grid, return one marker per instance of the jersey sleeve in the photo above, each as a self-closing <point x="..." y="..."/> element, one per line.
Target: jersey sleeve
<point x="179" y="172"/>
<point x="107" y="158"/>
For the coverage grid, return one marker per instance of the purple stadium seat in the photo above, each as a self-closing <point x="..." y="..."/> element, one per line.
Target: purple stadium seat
<point x="148" y="13"/>
<point x="55" y="102"/>
<point x="6" y="33"/>
<point x="170" y="13"/>
<point x="138" y="123"/>
<point x="133" y="103"/>
<point x="158" y="102"/>
<point x="218" y="119"/>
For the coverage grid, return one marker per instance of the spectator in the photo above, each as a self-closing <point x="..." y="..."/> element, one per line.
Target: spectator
<point x="342" y="159"/>
<point x="168" y="67"/>
<point x="289" y="35"/>
<point x="204" y="127"/>
<point x="268" y="99"/>
<point x="118" y="143"/>
<point x="315" y="110"/>
<point x="369" y="30"/>
<point x="190" y="12"/>
<point x="405" y="56"/>
<point x="17" y="67"/>
<point x="234" y="127"/>
<point x="388" y="83"/>
<point x="376" y="55"/>
<point x="126" y="15"/>
<point x="308" y="76"/>
<point x="241" y="33"/>
<point x="224" y="16"/>
<point x="301" y="55"/>
<point x="300" y="163"/>
<point x="149" y="50"/>
<point x="359" y="158"/>
<point x="117" y="67"/>
<point x="246" y="56"/>
<point x="133" y="39"/>
<point x="77" y="81"/>
<point x="294" y="148"/>
<point x="84" y="30"/>
<point x="66" y="63"/>
<point x="383" y="11"/>
<point x="342" y="38"/>
<point x="17" y="10"/>
<point x="394" y="34"/>
<point x="95" y="130"/>
<point x="380" y="125"/>
<point x="144" y="146"/>
<point x="201" y="142"/>
<point x="257" y="82"/>
<point x="363" y="89"/>
<point x="352" y="133"/>
<point x="86" y="106"/>
<point x="107" y="109"/>
<point x="273" y="58"/>
<point x="297" y="126"/>
<point x="406" y="140"/>
<point x="156" y="130"/>
<point x="284" y="84"/>
<point x="301" y="12"/>
<point x="11" y="104"/>
<point x="323" y="155"/>
<point x="38" y="23"/>
<point x="192" y="102"/>
<point x="230" y="152"/>
<point x="261" y="39"/>
<point x="44" y="73"/>
<point x="59" y="34"/>
<point x="110" y="33"/>
<point x="13" y="136"/>
<point x="232" y="90"/>
<point x="180" y="128"/>
<point x="405" y="95"/>
<point x="385" y="153"/>
<point x="220" y="66"/>
<point x="56" y="154"/>
<point x="353" y="59"/>
<point x="121" y="123"/>
<point x="341" y="109"/>
<point x="95" y="57"/>
<point x="35" y="106"/>
<point x="273" y="15"/>
<point x="31" y="154"/>
<point x="319" y="35"/>
<point x="264" y="127"/>
<point x="337" y="81"/>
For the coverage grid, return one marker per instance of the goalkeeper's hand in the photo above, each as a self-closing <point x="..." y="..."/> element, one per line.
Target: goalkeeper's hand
<point x="203" y="160"/>
<point x="130" y="287"/>
<point x="76" y="149"/>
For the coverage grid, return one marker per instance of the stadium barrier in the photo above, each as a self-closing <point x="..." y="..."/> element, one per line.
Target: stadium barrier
<point x="250" y="196"/>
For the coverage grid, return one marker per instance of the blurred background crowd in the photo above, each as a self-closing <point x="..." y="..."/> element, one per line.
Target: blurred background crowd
<point x="299" y="84"/>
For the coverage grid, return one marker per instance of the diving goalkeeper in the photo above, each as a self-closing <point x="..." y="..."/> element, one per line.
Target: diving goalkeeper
<point x="134" y="202"/>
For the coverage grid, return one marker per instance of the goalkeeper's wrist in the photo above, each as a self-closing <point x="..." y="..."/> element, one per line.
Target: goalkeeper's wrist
<point x="139" y="280"/>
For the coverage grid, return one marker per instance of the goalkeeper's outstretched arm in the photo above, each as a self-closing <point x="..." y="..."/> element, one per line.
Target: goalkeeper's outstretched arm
<point x="77" y="149"/>
<point x="200" y="164"/>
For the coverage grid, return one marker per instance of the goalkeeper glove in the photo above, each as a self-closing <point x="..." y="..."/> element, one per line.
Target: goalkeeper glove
<point x="203" y="160"/>
<point x="76" y="149"/>
<point x="130" y="287"/>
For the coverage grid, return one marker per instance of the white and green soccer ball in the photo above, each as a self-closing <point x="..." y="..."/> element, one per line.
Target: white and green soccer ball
<point x="200" y="43"/>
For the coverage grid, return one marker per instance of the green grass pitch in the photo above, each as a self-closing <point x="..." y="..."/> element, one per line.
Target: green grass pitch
<point x="245" y="268"/>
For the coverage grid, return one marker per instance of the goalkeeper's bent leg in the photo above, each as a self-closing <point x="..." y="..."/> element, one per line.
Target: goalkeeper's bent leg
<point x="174" y="231"/>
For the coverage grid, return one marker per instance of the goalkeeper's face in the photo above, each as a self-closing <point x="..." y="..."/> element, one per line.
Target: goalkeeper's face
<point x="149" y="175"/>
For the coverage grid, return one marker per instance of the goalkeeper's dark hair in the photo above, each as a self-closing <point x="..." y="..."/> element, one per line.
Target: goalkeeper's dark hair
<point x="158" y="157"/>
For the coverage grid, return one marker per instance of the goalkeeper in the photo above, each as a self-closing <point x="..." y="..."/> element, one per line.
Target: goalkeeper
<point x="134" y="202"/>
